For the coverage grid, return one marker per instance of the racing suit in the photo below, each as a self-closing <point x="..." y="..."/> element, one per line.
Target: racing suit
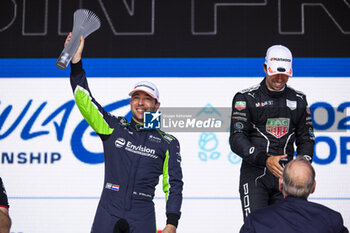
<point x="3" y="196"/>
<point x="135" y="157"/>
<point x="266" y="123"/>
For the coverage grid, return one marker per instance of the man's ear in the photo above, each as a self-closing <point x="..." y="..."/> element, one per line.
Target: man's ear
<point x="264" y="65"/>
<point x="313" y="187"/>
<point x="280" y="186"/>
<point x="157" y="105"/>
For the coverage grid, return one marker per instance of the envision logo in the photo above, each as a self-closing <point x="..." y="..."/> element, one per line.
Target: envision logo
<point x="120" y="142"/>
<point x="141" y="150"/>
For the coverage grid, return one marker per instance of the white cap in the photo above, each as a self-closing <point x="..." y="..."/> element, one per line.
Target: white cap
<point x="278" y="60"/>
<point x="147" y="87"/>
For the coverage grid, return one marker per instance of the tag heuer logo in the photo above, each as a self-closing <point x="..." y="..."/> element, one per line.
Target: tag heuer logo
<point x="277" y="126"/>
<point x="240" y="105"/>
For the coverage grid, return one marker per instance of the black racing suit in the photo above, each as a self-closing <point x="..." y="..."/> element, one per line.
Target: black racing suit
<point x="135" y="157"/>
<point x="3" y="196"/>
<point x="267" y="123"/>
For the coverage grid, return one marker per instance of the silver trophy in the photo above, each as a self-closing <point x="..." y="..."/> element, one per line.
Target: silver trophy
<point x="85" y="22"/>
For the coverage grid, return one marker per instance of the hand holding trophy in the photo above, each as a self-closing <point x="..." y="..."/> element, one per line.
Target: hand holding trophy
<point x="85" y="22"/>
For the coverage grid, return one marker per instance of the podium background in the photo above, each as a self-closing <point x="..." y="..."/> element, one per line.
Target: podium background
<point x="199" y="53"/>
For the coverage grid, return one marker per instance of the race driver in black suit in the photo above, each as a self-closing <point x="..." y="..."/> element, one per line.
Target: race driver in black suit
<point x="267" y="120"/>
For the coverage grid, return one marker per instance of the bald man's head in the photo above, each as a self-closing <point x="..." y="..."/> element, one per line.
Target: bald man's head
<point x="298" y="178"/>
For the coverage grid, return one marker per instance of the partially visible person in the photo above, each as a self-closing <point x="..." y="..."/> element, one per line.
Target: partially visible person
<point x="5" y="221"/>
<point x="295" y="213"/>
<point x="267" y="120"/>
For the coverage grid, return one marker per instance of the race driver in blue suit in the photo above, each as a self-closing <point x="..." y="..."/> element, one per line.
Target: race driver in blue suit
<point x="135" y="157"/>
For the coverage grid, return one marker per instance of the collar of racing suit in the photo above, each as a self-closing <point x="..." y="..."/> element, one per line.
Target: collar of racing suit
<point x="135" y="124"/>
<point x="273" y="94"/>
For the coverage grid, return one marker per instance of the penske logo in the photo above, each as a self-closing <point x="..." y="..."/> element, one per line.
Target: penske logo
<point x="278" y="127"/>
<point x="280" y="59"/>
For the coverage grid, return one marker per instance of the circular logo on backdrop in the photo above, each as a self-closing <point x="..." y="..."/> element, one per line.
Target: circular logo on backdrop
<point x="208" y="141"/>
<point x="120" y="142"/>
<point x="233" y="158"/>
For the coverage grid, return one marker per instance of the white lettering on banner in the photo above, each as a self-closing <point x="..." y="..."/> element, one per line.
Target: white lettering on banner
<point x="210" y="28"/>
<point x="144" y="15"/>
<point x="141" y="16"/>
<point x="29" y="158"/>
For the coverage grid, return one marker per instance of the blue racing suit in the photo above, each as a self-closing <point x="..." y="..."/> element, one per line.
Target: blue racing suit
<point x="134" y="159"/>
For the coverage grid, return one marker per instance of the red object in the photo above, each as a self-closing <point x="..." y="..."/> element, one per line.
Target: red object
<point x="159" y="231"/>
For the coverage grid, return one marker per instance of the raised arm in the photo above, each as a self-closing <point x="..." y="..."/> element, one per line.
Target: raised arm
<point x="100" y="120"/>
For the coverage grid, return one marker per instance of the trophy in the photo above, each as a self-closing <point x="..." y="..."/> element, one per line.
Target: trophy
<point x="85" y="22"/>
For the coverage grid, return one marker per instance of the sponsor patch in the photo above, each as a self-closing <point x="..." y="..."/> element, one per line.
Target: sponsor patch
<point x="178" y="155"/>
<point x="238" y="125"/>
<point x="113" y="187"/>
<point x="143" y="194"/>
<point x="239" y="113"/>
<point x="240" y="118"/>
<point x="277" y="127"/>
<point x="154" y="139"/>
<point x="141" y="150"/>
<point x="291" y="104"/>
<point x="280" y="59"/>
<point x="169" y="139"/>
<point x="311" y="132"/>
<point x="123" y="121"/>
<point x="308" y="110"/>
<point x="128" y="130"/>
<point x="240" y="105"/>
<point x="120" y="142"/>
<point x="262" y="104"/>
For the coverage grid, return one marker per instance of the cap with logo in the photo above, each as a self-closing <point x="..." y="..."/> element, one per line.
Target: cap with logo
<point x="147" y="87"/>
<point x="278" y="60"/>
